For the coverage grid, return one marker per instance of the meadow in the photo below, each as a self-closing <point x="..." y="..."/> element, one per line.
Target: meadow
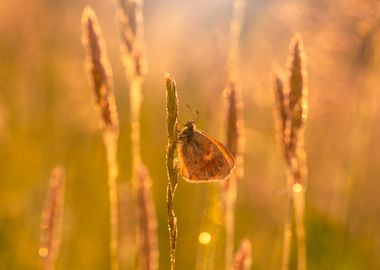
<point x="92" y="98"/>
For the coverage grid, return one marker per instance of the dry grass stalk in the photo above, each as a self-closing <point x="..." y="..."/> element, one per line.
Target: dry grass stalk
<point x="128" y="247"/>
<point x="99" y="71"/>
<point x="243" y="260"/>
<point x="234" y="129"/>
<point x="135" y="103"/>
<point x="281" y="111"/>
<point x="234" y="142"/>
<point x="290" y="114"/>
<point x="148" y="223"/>
<point x="299" y="216"/>
<point x="171" y="161"/>
<point x="51" y="221"/>
<point x="110" y="142"/>
<point x="281" y="114"/>
<point x="100" y="79"/>
<point x="132" y="48"/>
<point x="298" y="112"/>
<point x="297" y="105"/>
<point x="131" y="29"/>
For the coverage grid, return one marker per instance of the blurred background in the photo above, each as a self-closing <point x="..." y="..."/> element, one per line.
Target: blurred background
<point x="47" y="117"/>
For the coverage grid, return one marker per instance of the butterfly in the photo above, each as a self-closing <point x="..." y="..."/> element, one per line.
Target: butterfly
<point x="201" y="157"/>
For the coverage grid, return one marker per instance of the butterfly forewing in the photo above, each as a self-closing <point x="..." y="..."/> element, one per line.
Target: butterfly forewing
<point x="203" y="158"/>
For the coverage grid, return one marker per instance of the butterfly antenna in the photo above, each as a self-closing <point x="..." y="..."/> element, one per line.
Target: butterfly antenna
<point x="179" y="121"/>
<point x="195" y="119"/>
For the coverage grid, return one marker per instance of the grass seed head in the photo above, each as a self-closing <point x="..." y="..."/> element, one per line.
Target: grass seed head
<point x="131" y="30"/>
<point x="243" y="258"/>
<point x="52" y="216"/>
<point x="99" y="70"/>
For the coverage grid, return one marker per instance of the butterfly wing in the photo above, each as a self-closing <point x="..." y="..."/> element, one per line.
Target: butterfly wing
<point x="226" y="153"/>
<point x="203" y="158"/>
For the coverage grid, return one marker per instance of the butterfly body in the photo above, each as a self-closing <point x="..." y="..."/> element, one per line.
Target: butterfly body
<point x="201" y="157"/>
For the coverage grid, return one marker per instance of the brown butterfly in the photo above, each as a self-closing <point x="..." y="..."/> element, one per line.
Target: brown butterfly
<point x="201" y="157"/>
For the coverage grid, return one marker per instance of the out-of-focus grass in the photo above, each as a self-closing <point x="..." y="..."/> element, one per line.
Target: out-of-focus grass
<point x="47" y="118"/>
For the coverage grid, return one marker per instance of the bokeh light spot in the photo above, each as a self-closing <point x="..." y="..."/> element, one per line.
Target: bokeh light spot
<point x="204" y="238"/>
<point x="43" y="252"/>
<point x="297" y="187"/>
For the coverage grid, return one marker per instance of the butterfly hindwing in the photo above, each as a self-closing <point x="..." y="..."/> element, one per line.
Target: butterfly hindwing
<point x="226" y="153"/>
<point x="203" y="158"/>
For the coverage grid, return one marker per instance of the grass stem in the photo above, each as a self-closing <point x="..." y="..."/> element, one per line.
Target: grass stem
<point x="171" y="162"/>
<point x="51" y="221"/>
<point x="100" y="79"/>
<point x="234" y="129"/>
<point x="290" y="116"/>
